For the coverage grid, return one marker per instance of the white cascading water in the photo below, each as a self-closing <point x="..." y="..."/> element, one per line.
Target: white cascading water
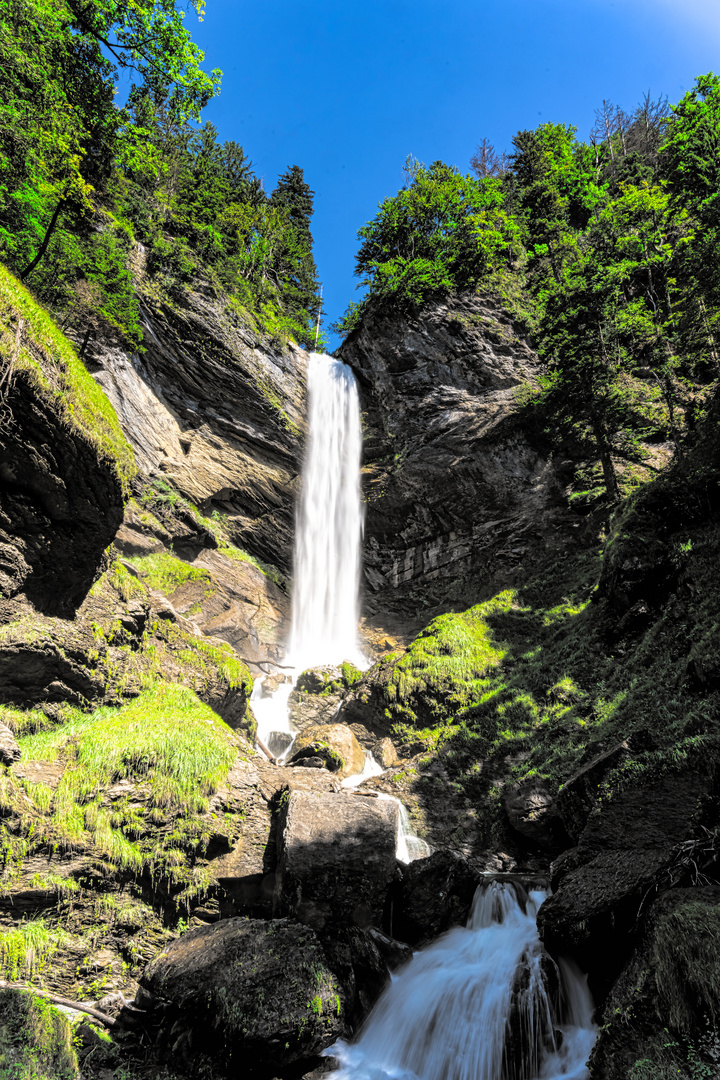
<point x="484" y="1002"/>
<point x="329" y="522"/>
<point x="328" y="535"/>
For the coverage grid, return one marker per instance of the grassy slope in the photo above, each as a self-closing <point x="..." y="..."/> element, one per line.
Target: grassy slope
<point x="50" y="360"/>
<point x="174" y="749"/>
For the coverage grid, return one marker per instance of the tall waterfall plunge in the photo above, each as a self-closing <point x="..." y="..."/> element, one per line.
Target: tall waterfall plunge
<point x="328" y="534"/>
<point x="483" y="1002"/>
<point x="329" y="522"/>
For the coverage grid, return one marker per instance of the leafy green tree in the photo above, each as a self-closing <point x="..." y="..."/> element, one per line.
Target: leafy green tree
<point x="59" y="129"/>
<point x="444" y="231"/>
<point x="690" y="164"/>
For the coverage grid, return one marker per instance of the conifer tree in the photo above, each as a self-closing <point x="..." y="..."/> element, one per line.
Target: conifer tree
<point x="296" y="269"/>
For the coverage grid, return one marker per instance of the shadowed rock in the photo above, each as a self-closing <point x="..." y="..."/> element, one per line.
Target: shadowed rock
<point x="245" y="990"/>
<point x="336" y="859"/>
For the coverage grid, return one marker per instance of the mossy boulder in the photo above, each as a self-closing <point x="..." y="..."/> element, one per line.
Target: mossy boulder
<point x="335" y="744"/>
<point x="658" y="1020"/>
<point x="249" y="992"/>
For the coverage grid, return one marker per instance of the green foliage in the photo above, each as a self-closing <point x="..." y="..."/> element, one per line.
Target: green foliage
<point x="51" y="362"/>
<point x="165" y="572"/>
<point x="26" y="951"/>
<point x="446" y="668"/>
<point x="35" y="1040"/>
<point x="685" y="947"/>
<point x="444" y="231"/>
<point x="168" y="742"/>
<point x="608" y="252"/>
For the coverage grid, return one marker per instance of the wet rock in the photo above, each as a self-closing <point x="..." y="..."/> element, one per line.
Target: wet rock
<point x="394" y="953"/>
<point x="532" y="812"/>
<point x="336" y="859"/>
<point x="435" y="894"/>
<point x="311" y="762"/>
<point x="360" y="967"/>
<point x="277" y="742"/>
<point x="9" y="749"/>
<point x="335" y="743"/>
<point x="321" y="680"/>
<point x="385" y="753"/>
<point x="257" y="991"/>
<point x="308" y="709"/>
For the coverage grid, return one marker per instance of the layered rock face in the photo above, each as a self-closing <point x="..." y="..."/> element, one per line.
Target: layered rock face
<point x="61" y="504"/>
<point x="452" y="480"/>
<point x="216" y="411"/>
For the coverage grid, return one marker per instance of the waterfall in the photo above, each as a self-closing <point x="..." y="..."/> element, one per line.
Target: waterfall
<point x="329" y="522"/>
<point x="483" y="1002"/>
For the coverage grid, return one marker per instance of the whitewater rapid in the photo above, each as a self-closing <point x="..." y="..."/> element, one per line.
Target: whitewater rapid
<point x="483" y="1002"/>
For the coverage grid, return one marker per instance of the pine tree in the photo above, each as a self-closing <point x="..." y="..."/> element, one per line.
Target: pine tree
<point x="296" y="269"/>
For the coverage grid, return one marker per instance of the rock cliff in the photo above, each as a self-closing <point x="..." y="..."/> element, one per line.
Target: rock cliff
<point x="214" y="409"/>
<point x="454" y="480"/>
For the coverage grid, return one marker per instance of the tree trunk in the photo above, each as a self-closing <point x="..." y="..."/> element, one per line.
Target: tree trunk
<point x="611" y="484"/>
<point x="46" y="240"/>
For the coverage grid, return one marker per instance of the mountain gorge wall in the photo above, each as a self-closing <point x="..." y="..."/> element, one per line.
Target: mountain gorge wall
<point x="215" y="410"/>
<point x="453" y="480"/>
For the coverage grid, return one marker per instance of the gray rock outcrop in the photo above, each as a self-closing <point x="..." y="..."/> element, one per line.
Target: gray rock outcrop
<point x="216" y="411"/>
<point x="452" y="480"/>
<point x="336" y="859"/>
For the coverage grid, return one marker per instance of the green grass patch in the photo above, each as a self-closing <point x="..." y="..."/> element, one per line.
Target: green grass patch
<point x="51" y="362"/>
<point x="26" y="950"/>
<point x="166" y="572"/>
<point x="166" y="741"/>
<point x="35" y="1040"/>
<point x="270" y="571"/>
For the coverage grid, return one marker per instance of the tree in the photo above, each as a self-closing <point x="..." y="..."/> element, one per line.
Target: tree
<point x="295" y="266"/>
<point x="486" y="162"/>
<point x="443" y="231"/>
<point x="59" y="129"/>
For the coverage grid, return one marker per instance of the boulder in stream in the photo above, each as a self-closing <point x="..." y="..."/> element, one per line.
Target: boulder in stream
<point x="336" y="859"/>
<point x="335" y="744"/>
<point x="435" y="894"/>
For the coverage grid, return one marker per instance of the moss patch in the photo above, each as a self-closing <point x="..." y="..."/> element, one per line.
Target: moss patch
<point x="166" y="572"/>
<point x="35" y="1040"/>
<point x="53" y="365"/>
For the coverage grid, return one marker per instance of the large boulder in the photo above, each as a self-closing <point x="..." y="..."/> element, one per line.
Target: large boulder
<point x="336" y="859"/>
<point x="658" y="1008"/>
<point x="335" y="743"/>
<point x="532" y="812"/>
<point x="625" y="852"/>
<point x="248" y="991"/>
<point x="435" y="894"/>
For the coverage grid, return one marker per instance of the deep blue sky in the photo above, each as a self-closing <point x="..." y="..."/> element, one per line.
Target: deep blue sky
<point x="347" y="89"/>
